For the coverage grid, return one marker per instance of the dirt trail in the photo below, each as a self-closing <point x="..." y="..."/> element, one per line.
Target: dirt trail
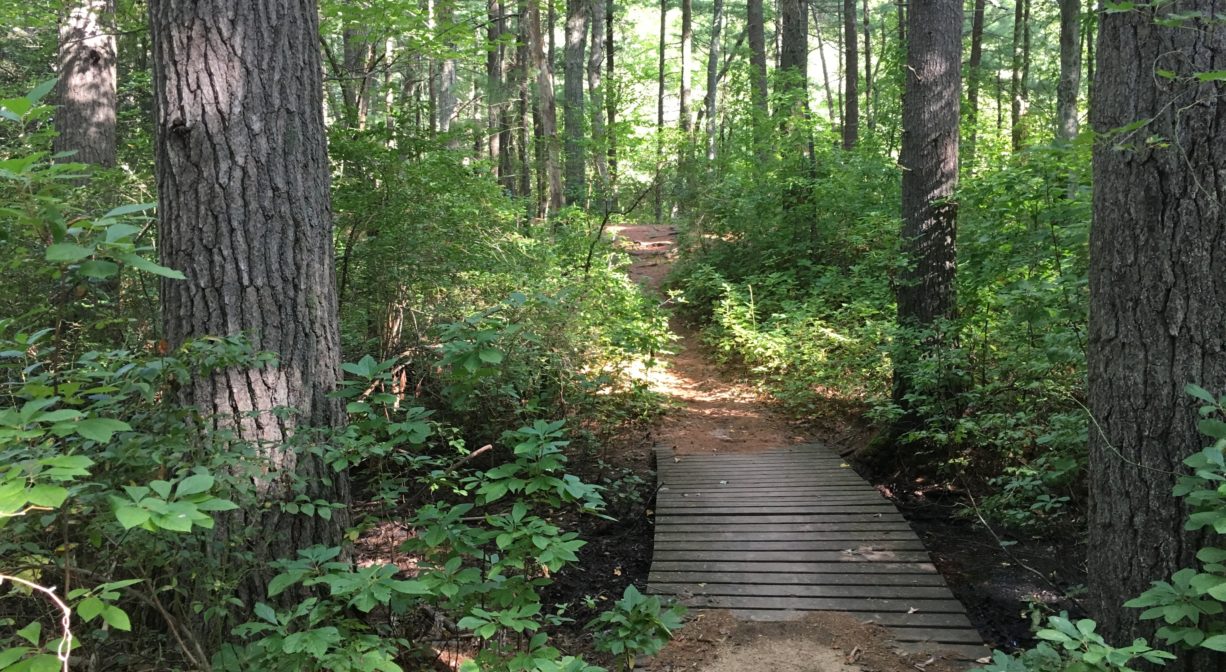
<point x="716" y="414"/>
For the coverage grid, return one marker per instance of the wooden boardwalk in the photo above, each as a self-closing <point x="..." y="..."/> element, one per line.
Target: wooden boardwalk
<point x="772" y="534"/>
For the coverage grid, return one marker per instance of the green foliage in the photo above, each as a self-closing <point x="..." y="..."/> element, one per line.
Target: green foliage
<point x="636" y="625"/>
<point x="1191" y="603"/>
<point x="1074" y="646"/>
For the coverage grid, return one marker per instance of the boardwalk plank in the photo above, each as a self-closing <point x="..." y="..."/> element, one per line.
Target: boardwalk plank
<point x="796" y="578"/>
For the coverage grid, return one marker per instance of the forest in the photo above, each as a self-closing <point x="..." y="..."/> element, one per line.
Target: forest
<point x="347" y="335"/>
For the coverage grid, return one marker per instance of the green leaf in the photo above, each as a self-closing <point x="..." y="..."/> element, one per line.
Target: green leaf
<point x="265" y="612"/>
<point x="67" y="252"/>
<point x="51" y="496"/>
<point x="1200" y="393"/>
<point x="101" y="429"/>
<point x="131" y="516"/>
<point x="116" y="618"/>
<point x="194" y="484"/>
<point x="140" y="263"/>
<point x="40" y="91"/>
<point x="1212" y="76"/>
<point x="89" y="608"/>
<point x="129" y="209"/>
<point x="280" y="582"/>
<point x="1212" y="428"/>
<point x="1215" y="643"/>
<point x="491" y="356"/>
<point x="99" y="269"/>
<point x="32" y="633"/>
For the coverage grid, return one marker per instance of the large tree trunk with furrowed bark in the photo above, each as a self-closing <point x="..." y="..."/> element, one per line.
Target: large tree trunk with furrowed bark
<point x="1157" y="296"/>
<point x="85" y="92"/>
<point x="755" y="25"/>
<point x="851" y="71"/>
<point x="1070" y="69"/>
<point x="929" y="161"/>
<point x="574" y="66"/>
<point x="244" y="213"/>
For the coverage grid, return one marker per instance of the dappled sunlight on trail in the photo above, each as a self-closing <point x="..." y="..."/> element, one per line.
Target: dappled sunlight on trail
<point x="714" y="413"/>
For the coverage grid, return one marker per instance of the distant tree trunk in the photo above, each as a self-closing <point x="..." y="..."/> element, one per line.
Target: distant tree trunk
<point x="902" y="23"/>
<point x="972" y="86"/>
<point x="687" y="63"/>
<point x="546" y="114"/>
<point x="1157" y="278"/>
<point x="929" y="159"/>
<point x="85" y="92"/>
<point x="794" y="46"/>
<point x="851" y="72"/>
<point x="659" y="189"/>
<point x="575" y="63"/>
<point x="495" y="86"/>
<point x="611" y="100"/>
<point x="868" y="70"/>
<point x="835" y="118"/>
<point x="755" y="24"/>
<point x="1091" y="25"/>
<point x="1070" y="69"/>
<point x="243" y="196"/>
<point x="447" y="69"/>
<point x="1018" y="82"/>
<point x="595" y="64"/>
<point x="717" y="23"/>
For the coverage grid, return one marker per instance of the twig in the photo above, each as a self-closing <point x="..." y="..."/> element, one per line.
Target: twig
<point x="64" y="650"/>
<point x="417" y="496"/>
<point x="587" y="264"/>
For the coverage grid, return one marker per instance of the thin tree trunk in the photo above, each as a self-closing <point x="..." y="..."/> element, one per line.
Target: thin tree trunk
<point x="794" y="46"/>
<point x="821" y="53"/>
<point x="660" y="115"/>
<point x="595" y="64"/>
<point x="85" y="92"/>
<point x="447" y="69"/>
<point x="1070" y="69"/>
<point x="574" y="63"/>
<point x="687" y="58"/>
<point x="495" y="87"/>
<point x="868" y="70"/>
<point x="611" y="100"/>
<point x="851" y="72"/>
<point x="717" y="24"/>
<point x="902" y="23"/>
<point x="1018" y="81"/>
<point x="1091" y="25"/>
<point x="546" y="113"/>
<point x="1157" y="278"/>
<point x="972" y="86"/>
<point x="755" y="24"/>
<point x="244" y="213"/>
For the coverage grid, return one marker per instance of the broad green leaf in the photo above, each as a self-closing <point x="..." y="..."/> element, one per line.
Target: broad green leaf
<point x="89" y="608"/>
<point x="99" y="269"/>
<point x="1215" y="643"/>
<point x="67" y="252"/>
<point x="101" y="429"/>
<point x="140" y="263"/>
<point x="265" y="612"/>
<point x="32" y="633"/>
<point x="51" y="496"/>
<point x="1212" y="76"/>
<point x="129" y="209"/>
<point x="194" y="484"/>
<point x="131" y="516"/>
<point x="116" y="618"/>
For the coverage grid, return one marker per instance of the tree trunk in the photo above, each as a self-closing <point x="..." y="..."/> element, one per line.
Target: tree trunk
<point x="717" y="24"/>
<point x="835" y="118"/>
<point x="868" y="70"/>
<point x="85" y="92"/>
<point x="595" y="64"/>
<point x="794" y="46"/>
<point x="1018" y="82"/>
<point x="755" y="24"/>
<point x="851" y="72"/>
<point x="687" y="63"/>
<point x="523" y="108"/>
<point x="972" y="86"/>
<point x="1070" y="69"/>
<point x="574" y="64"/>
<point x="611" y="100"/>
<point x="659" y="189"/>
<point x="902" y="23"/>
<point x="1157" y="278"/>
<point x="244" y="213"/>
<point x="447" y="69"/>
<point x="546" y="113"/>
<point x="929" y="159"/>
<point x="495" y="94"/>
<point x="1091" y="25"/>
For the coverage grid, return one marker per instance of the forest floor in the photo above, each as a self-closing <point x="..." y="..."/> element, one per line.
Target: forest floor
<point x="714" y="411"/>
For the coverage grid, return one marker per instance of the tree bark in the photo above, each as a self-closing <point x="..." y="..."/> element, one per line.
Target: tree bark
<point x="1157" y="282"/>
<point x="835" y="117"/>
<point x="495" y="94"/>
<point x="972" y="75"/>
<point x="574" y="65"/>
<point x="85" y="93"/>
<point x="713" y="56"/>
<point x="1017" y="83"/>
<point x="244" y="213"/>
<point x="659" y="189"/>
<point x="687" y="63"/>
<point x="868" y="70"/>
<point x="851" y="72"/>
<point x="595" y="65"/>
<point x="611" y="100"/>
<point x="755" y="24"/>
<point x="546" y="113"/>
<point x="929" y="159"/>
<point x="1070" y="70"/>
<point x="447" y="68"/>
